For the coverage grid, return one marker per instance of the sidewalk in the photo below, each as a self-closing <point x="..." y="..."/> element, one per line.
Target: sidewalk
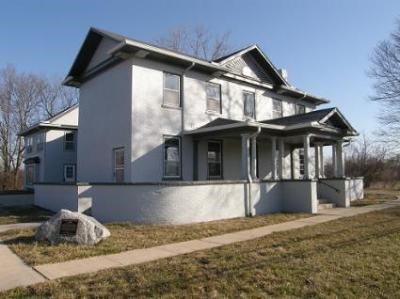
<point x="21" y="275"/>
<point x="6" y="227"/>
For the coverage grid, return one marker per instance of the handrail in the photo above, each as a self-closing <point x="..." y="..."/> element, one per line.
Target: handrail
<point x="326" y="184"/>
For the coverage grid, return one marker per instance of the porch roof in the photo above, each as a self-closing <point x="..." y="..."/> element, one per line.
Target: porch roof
<point x="328" y="121"/>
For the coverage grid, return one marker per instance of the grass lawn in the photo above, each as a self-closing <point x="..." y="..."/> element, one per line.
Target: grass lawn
<point x="21" y="214"/>
<point x="375" y="196"/>
<point x="355" y="257"/>
<point x="127" y="236"/>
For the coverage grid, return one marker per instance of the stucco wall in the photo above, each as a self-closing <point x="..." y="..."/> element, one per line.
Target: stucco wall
<point x="70" y="117"/>
<point x="9" y="199"/>
<point x="104" y="123"/>
<point x="55" y="197"/>
<point x="343" y="192"/>
<point x="299" y="196"/>
<point x="181" y="204"/>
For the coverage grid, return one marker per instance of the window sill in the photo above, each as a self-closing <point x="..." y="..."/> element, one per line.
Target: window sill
<point x="171" y="107"/>
<point x="213" y="113"/>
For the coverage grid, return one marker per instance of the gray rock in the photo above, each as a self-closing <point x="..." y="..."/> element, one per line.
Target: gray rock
<point x="61" y="228"/>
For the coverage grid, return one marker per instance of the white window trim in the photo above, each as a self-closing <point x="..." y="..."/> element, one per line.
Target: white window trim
<point x="73" y="142"/>
<point x="244" y="103"/>
<point x="220" y="162"/>
<point x="277" y="111"/>
<point x="69" y="180"/>
<point x="219" y="112"/>
<point x="114" y="165"/>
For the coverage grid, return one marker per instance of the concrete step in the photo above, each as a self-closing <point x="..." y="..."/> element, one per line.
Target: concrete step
<point x="323" y="200"/>
<point x="323" y="206"/>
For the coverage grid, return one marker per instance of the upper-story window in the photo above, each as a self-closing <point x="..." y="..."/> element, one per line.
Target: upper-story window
<point x="69" y="141"/>
<point x="39" y="142"/>
<point x="28" y="144"/>
<point x="300" y="109"/>
<point x="249" y="104"/>
<point x="277" y="110"/>
<point x="213" y="91"/>
<point x="172" y="90"/>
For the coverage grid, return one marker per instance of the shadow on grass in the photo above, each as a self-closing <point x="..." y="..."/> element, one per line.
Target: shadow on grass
<point x="23" y="214"/>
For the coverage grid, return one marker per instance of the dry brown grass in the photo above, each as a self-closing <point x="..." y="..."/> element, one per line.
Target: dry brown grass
<point x="127" y="236"/>
<point x="21" y="214"/>
<point x="355" y="257"/>
<point x="376" y="196"/>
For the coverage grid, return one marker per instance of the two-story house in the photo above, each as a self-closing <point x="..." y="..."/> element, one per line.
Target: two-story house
<point x="166" y="137"/>
<point x="50" y="149"/>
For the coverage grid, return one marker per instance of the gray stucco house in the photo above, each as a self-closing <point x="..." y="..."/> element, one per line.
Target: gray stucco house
<point x="168" y="138"/>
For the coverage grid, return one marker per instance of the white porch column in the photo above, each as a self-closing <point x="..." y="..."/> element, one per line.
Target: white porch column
<point x="245" y="166"/>
<point x="273" y="158"/>
<point x="317" y="162"/>
<point x="306" y="146"/>
<point x="281" y="158"/>
<point x="254" y="158"/>
<point x="321" y="161"/>
<point x="340" y="159"/>
<point x="334" y="163"/>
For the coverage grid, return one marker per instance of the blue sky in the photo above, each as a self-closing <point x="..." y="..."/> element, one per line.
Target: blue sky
<point x="324" y="45"/>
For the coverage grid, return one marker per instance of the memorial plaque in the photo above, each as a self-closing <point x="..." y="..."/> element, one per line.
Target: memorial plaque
<point x="68" y="227"/>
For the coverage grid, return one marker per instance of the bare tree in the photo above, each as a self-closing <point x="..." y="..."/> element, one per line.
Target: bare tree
<point x="198" y="41"/>
<point x="24" y="100"/>
<point x="385" y="71"/>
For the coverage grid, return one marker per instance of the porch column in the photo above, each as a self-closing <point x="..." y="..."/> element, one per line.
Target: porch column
<point x="306" y="146"/>
<point x="273" y="158"/>
<point x="254" y="158"/>
<point x="245" y="166"/>
<point x="317" y="162"/>
<point x="281" y="158"/>
<point x="321" y="161"/>
<point x="334" y="165"/>
<point x="340" y="159"/>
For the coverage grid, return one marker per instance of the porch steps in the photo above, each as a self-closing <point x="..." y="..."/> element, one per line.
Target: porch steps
<point x="325" y="204"/>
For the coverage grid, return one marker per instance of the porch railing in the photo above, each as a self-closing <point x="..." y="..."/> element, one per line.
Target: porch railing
<point x="330" y="186"/>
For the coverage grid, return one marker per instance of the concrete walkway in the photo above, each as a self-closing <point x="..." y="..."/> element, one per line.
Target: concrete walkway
<point x="15" y="273"/>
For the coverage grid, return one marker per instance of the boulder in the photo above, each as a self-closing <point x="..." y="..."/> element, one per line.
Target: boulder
<point x="73" y="227"/>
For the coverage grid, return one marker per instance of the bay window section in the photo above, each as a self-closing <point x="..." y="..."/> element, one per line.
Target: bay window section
<point x="172" y="158"/>
<point x="214" y="159"/>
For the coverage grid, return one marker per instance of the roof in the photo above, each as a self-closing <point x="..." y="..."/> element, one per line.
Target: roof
<point x="128" y="46"/>
<point x="315" y="115"/>
<point x="48" y="123"/>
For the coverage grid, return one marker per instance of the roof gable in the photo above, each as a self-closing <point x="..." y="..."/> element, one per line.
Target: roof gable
<point x="252" y="62"/>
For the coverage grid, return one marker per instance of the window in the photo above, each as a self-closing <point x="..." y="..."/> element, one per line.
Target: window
<point x="39" y="142"/>
<point x="213" y="97"/>
<point x="69" y="173"/>
<point x="28" y="144"/>
<point x="29" y="174"/>
<point x="300" y="109"/>
<point x="172" y="157"/>
<point x="214" y="159"/>
<point x="172" y="90"/>
<point x="301" y="162"/>
<point x="276" y="108"/>
<point x="249" y="104"/>
<point x="119" y="165"/>
<point x="69" y="141"/>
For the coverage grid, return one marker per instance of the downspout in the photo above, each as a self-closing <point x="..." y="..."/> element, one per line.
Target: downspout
<point x="249" y="178"/>
<point x="183" y="95"/>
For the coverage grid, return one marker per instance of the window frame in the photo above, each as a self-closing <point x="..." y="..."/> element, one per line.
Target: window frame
<point x="244" y="103"/>
<point x="221" y="176"/>
<point x="219" y="100"/>
<point x="40" y="140"/>
<point x="164" y="105"/>
<point x="298" y="106"/>
<point x="274" y="110"/>
<point x="32" y="167"/>
<point x="301" y="163"/>
<point x="29" y="144"/>
<point x="168" y="177"/>
<point x="114" y="164"/>
<point x="73" y="142"/>
<point x="65" y="166"/>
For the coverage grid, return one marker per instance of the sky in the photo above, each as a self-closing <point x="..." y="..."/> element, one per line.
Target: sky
<point x="325" y="46"/>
